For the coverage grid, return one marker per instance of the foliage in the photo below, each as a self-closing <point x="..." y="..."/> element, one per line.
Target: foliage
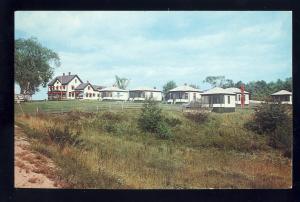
<point x="198" y="117"/>
<point x="172" y="121"/>
<point x="34" y="65"/>
<point x="111" y="116"/>
<point x="63" y="137"/>
<point x="168" y="86"/>
<point x="267" y="117"/>
<point x="122" y="83"/>
<point x="151" y="119"/>
<point x="194" y="86"/>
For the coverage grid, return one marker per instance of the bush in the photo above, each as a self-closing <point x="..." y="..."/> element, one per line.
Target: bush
<point x="198" y="117"/>
<point x="63" y="137"/>
<point x="172" y="121"/>
<point x="266" y="118"/>
<point x="112" y="116"/>
<point x="151" y="120"/>
<point x="163" y="130"/>
<point x="274" y="121"/>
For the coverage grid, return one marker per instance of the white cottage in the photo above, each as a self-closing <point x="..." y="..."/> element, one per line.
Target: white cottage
<point x="62" y="87"/>
<point x="183" y="94"/>
<point x="142" y="93"/>
<point x="221" y="100"/>
<point x="283" y="96"/>
<point x="238" y="95"/>
<point x="114" y="93"/>
<point x="87" y="91"/>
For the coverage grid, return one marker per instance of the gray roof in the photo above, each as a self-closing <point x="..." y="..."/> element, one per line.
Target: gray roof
<point x="235" y="90"/>
<point x="145" y="89"/>
<point x="63" y="79"/>
<point x="218" y="90"/>
<point x="82" y="86"/>
<point x="97" y="87"/>
<point x="184" y="89"/>
<point x="282" y="92"/>
<point x="113" y="88"/>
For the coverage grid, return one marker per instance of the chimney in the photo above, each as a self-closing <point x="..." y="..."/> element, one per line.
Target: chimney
<point x="63" y="74"/>
<point x="87" y="81"/>
<point x="69" y="73"/>
<point x="185" y="84"/>
<point x="154" y="87"/>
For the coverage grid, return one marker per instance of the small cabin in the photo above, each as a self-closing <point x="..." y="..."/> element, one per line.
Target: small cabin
<point x="143" y="93"/>
<point x="238" y="95"/>
<point x="221" y="100"/>
<point x="282" y="96"/>
<point x="183" y="94"/>
<point x="114" y="94"/>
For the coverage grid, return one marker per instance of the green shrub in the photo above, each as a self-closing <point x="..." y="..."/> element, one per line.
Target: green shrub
<point x="150" y="117"/>
<point x="151" y="120"/>
<point x="111" y="116"/>
<point x="267" y="117"/>
<point x="172" y="121"/>
<point x="163" y="130"/>
<point x="63" y="137"/>
<point x="198" y="117"/>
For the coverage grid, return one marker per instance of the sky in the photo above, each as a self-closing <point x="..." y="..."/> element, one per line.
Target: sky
<point x="153" y="47"/>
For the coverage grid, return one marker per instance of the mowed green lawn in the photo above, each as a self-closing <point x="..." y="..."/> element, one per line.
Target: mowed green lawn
<point x="81" y="105"/>
<point x="112" y="152"/>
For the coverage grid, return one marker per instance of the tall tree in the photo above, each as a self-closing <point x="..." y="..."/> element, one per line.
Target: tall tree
<point x="215" y="81"/>
<point x="34" y="65"/>
<point x="168" y="86"/>
<point x="122" y="83"/>
<point x="194" y="86"/>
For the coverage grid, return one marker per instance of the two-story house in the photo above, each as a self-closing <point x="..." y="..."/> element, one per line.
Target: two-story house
<point x="62" y="87"/>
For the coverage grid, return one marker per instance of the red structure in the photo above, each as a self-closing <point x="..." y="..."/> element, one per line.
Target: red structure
<point x="243" y="96"/>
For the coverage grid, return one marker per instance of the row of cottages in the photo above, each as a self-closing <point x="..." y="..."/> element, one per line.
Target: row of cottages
<point x="282" y="96"/>
<point x="72" y="87"/>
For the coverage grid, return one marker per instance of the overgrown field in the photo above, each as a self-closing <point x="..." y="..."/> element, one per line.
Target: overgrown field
<point x="107" y="149"/>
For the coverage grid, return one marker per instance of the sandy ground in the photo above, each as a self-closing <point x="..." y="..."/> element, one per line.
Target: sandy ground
<point x="32" y="170"/>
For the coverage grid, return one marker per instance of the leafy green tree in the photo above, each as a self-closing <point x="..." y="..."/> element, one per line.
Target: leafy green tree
<point x="168" y="86"/>
<point x="122" y="83"/>
<point x="228" y="84"/>
<point x="34" y="65"/>
<point x="194" y="86"/>
<point x="215" y="81"/>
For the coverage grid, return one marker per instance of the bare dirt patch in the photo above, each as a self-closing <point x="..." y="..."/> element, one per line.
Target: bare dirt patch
<point x="32" y="170"/>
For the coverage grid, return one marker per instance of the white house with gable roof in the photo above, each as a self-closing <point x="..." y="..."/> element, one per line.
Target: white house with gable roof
<point x="221" y="100"/>
<point x="114" y="93"/>
<point x="238" y="95"/>
<point x="142" y="93"/>
<point x="183" y="94"/>
<point x="282" y="96"/>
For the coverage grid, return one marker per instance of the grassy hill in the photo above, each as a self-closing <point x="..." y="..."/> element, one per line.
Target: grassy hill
<point x="107" y="149"/>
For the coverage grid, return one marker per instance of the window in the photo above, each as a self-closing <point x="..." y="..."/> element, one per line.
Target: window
<point x="89" y="87"/>
<point x="64" y="87"/>
<point x="194" y="96"/>
<point x="118" y="94"/>
<point x="86" y="95"/>
<point x="60" y="87"/>
<point x="228" y="99"/>
<point x="93" y="94"/>
<point x="56" y="87"/>
<point x="69" y="94"/>
<point x="186" y="96"/>
<point x="98" y="95"/>
<point x="217" y="99"/>
<point x="239" y="98"/>
<point x="75" y="80"/>
<point x="72" y="87"/>
<point x="90" y="94"/>
<point x="151" y="95"/>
